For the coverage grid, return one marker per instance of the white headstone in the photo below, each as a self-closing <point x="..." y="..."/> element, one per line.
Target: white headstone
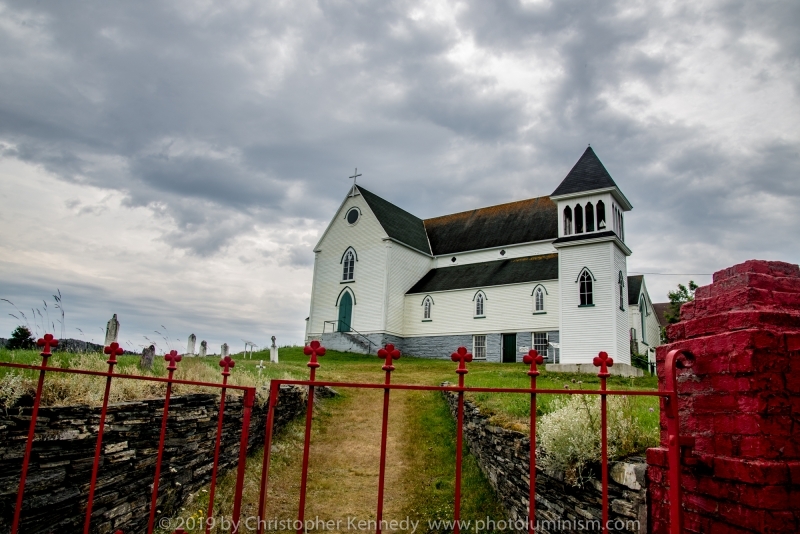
<point x="203" y="348"/>
<point x="224" y="349"/>
<point x="112" y="330"/>
<point x="260" y="367"/>
<point x="190" y="344"/>
<point x="273" y="351"/>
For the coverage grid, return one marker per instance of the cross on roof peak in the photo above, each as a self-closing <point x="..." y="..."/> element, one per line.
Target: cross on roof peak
<point x="354" y="178"/>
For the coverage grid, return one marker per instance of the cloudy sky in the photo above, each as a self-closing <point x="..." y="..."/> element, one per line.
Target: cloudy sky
<point x="175" y="162"/>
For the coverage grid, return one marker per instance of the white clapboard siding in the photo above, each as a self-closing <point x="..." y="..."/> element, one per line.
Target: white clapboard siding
<point x="507" y="308"/>
<point x="653" y="337"/>
<point x="492" y="254"/>
<point x="367" y="237"/>
<point x="585" y="331"/>
<point x="405" y="267"/>
<point x="621" y="317"/>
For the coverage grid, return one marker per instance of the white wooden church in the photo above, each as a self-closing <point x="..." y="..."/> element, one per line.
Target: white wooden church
<point x="548" y="273"/>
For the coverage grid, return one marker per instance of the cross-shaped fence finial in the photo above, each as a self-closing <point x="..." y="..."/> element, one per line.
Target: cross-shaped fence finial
<point x="47" y="341"/>
<point x="388" y="353"/>
<point x="113" y="351"/>
<point x="173" y="358"/>
<point x="314" y="349"/>
<point x="603" y="362"/>
<point x="227" y="363"/>
<point x="533" y="357"/>
<point x="462" y="356"/>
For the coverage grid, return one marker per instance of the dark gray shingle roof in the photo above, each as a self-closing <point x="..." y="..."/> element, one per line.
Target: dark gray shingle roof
<point x="634" y="288"/>
<point x="587" y="175"/>
<point x="492" y="273"/>
<point x="397" y="222"/>
<point x="524" y="221"/>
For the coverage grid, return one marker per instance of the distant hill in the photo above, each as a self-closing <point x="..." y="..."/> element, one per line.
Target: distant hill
<point x="72" y="345"/>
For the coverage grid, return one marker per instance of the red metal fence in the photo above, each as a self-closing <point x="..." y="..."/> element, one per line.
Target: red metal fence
<point x="172" y="358"/>
<point x="389" y="353"/>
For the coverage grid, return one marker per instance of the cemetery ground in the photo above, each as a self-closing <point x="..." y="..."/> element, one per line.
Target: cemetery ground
<point x="345" y="444"/>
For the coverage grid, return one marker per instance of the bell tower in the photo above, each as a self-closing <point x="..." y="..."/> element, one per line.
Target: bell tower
<point x="592" y="264"/>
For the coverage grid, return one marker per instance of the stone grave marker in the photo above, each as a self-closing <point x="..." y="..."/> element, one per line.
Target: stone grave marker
<point x="224" y="350"/>
<point x="148" y="355"/>
<point x="190" y="345"/>
<point x="273" y="351"/>
<point x="112" y="330"/>
<point x="203" y="348"/>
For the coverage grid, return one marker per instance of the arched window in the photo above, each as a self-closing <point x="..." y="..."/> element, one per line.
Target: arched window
<point x="538" y="300"/>
<point x="426" y="309"/>
<point x="567" y="220"/>
<point x="348" y="266"/>
<point x="621" y="284"/>
<point x="589" y="217"/>
<point x="480" y="307"/>
<point x="585" y="288"/>
<point x="578" y="219"/>
<point x="601" y="215"/>
<point x="622" y="226"/>
<point x="642" y="314"/>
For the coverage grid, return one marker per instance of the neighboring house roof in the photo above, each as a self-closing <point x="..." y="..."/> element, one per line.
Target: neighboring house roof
<point x="491" y="273"/>
<point x="524" y="221"/>
<point x="587" y="175"/>
<point x="634" y="288"/>
<point x="397" y="222"/>
<point x="661" y="308"/>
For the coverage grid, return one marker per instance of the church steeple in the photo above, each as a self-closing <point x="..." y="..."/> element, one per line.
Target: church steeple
<point x="589" y="175"/>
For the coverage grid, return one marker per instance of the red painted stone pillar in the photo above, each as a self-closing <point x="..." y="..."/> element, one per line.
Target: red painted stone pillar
<point x="740" y="401"/>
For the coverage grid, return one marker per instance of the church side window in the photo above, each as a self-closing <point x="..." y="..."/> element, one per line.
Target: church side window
<point x="586" y="292"/>
<point x="540" y="343"/>
<point x="479" y="305"/>
<point x="578" y="219"/>
<point x="426" y="307"/>
<point x="589" y="217"/>
<point x="479" y="347"/>
<point x="621" y="284"/>
<point x="642" y="313"/>
<point x="538" y="300"/>
<point x="567" y="220"/>
<point x="601" y="215"/>
<point x="349" y="265"/>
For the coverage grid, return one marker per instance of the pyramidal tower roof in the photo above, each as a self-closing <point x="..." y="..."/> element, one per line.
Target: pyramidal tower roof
<point x="588" y="174"/>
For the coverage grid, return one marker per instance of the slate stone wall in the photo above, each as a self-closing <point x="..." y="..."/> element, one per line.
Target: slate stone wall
<point x="560" y="507"/>
<point x="739" y="402"/>
<point x="63" y="452"/>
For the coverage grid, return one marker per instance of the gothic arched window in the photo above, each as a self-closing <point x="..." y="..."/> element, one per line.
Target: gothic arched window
<point x="621" y="284"/>
<point x="480" y="306"/>
<point x="589" y="217"/>
<point x="348" y="266"/>
<point x="578" y="219"/>
<point x="538" y="300"/>
<point x="426" y="309"/>
<point x="585" y="288"/>
<point x="642" y="314"/>
<point x="567" y="220"/>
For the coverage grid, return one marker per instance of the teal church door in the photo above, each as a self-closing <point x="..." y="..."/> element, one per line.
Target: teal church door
<point x="345" y="312"/>
<point x="509" y="348"/>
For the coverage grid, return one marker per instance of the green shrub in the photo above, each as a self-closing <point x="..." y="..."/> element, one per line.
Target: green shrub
<point x="569" y="436"/>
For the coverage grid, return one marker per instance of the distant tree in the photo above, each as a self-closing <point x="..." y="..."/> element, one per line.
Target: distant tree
<point x="21" y="338"/>
<point x="677" y="299"/>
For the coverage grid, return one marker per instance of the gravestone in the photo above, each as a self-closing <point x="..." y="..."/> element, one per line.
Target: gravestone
<point x="260" y="367"/>
<point x="224" y="350"/>
<point x="273" y="351"/>
<point x="112" y="330"/>
<point x="148" y="355"/>
<point x="203" y="348"/>
<point x="190" y="345"/>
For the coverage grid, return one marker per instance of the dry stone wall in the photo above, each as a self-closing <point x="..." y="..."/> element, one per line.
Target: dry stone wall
<point x="502" y="455"/>
<point x="63" y="453"/>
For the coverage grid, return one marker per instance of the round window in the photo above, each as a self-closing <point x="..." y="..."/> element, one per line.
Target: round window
<point x="453" y="259"/>
<point x="502" y="252"/>
<point x="352" y="216"/>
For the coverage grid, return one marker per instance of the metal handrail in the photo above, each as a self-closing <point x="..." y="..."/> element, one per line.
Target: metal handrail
<point x="351" y="329"/>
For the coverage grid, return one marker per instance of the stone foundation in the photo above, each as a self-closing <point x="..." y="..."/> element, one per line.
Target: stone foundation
<point x="502" y="455"/>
